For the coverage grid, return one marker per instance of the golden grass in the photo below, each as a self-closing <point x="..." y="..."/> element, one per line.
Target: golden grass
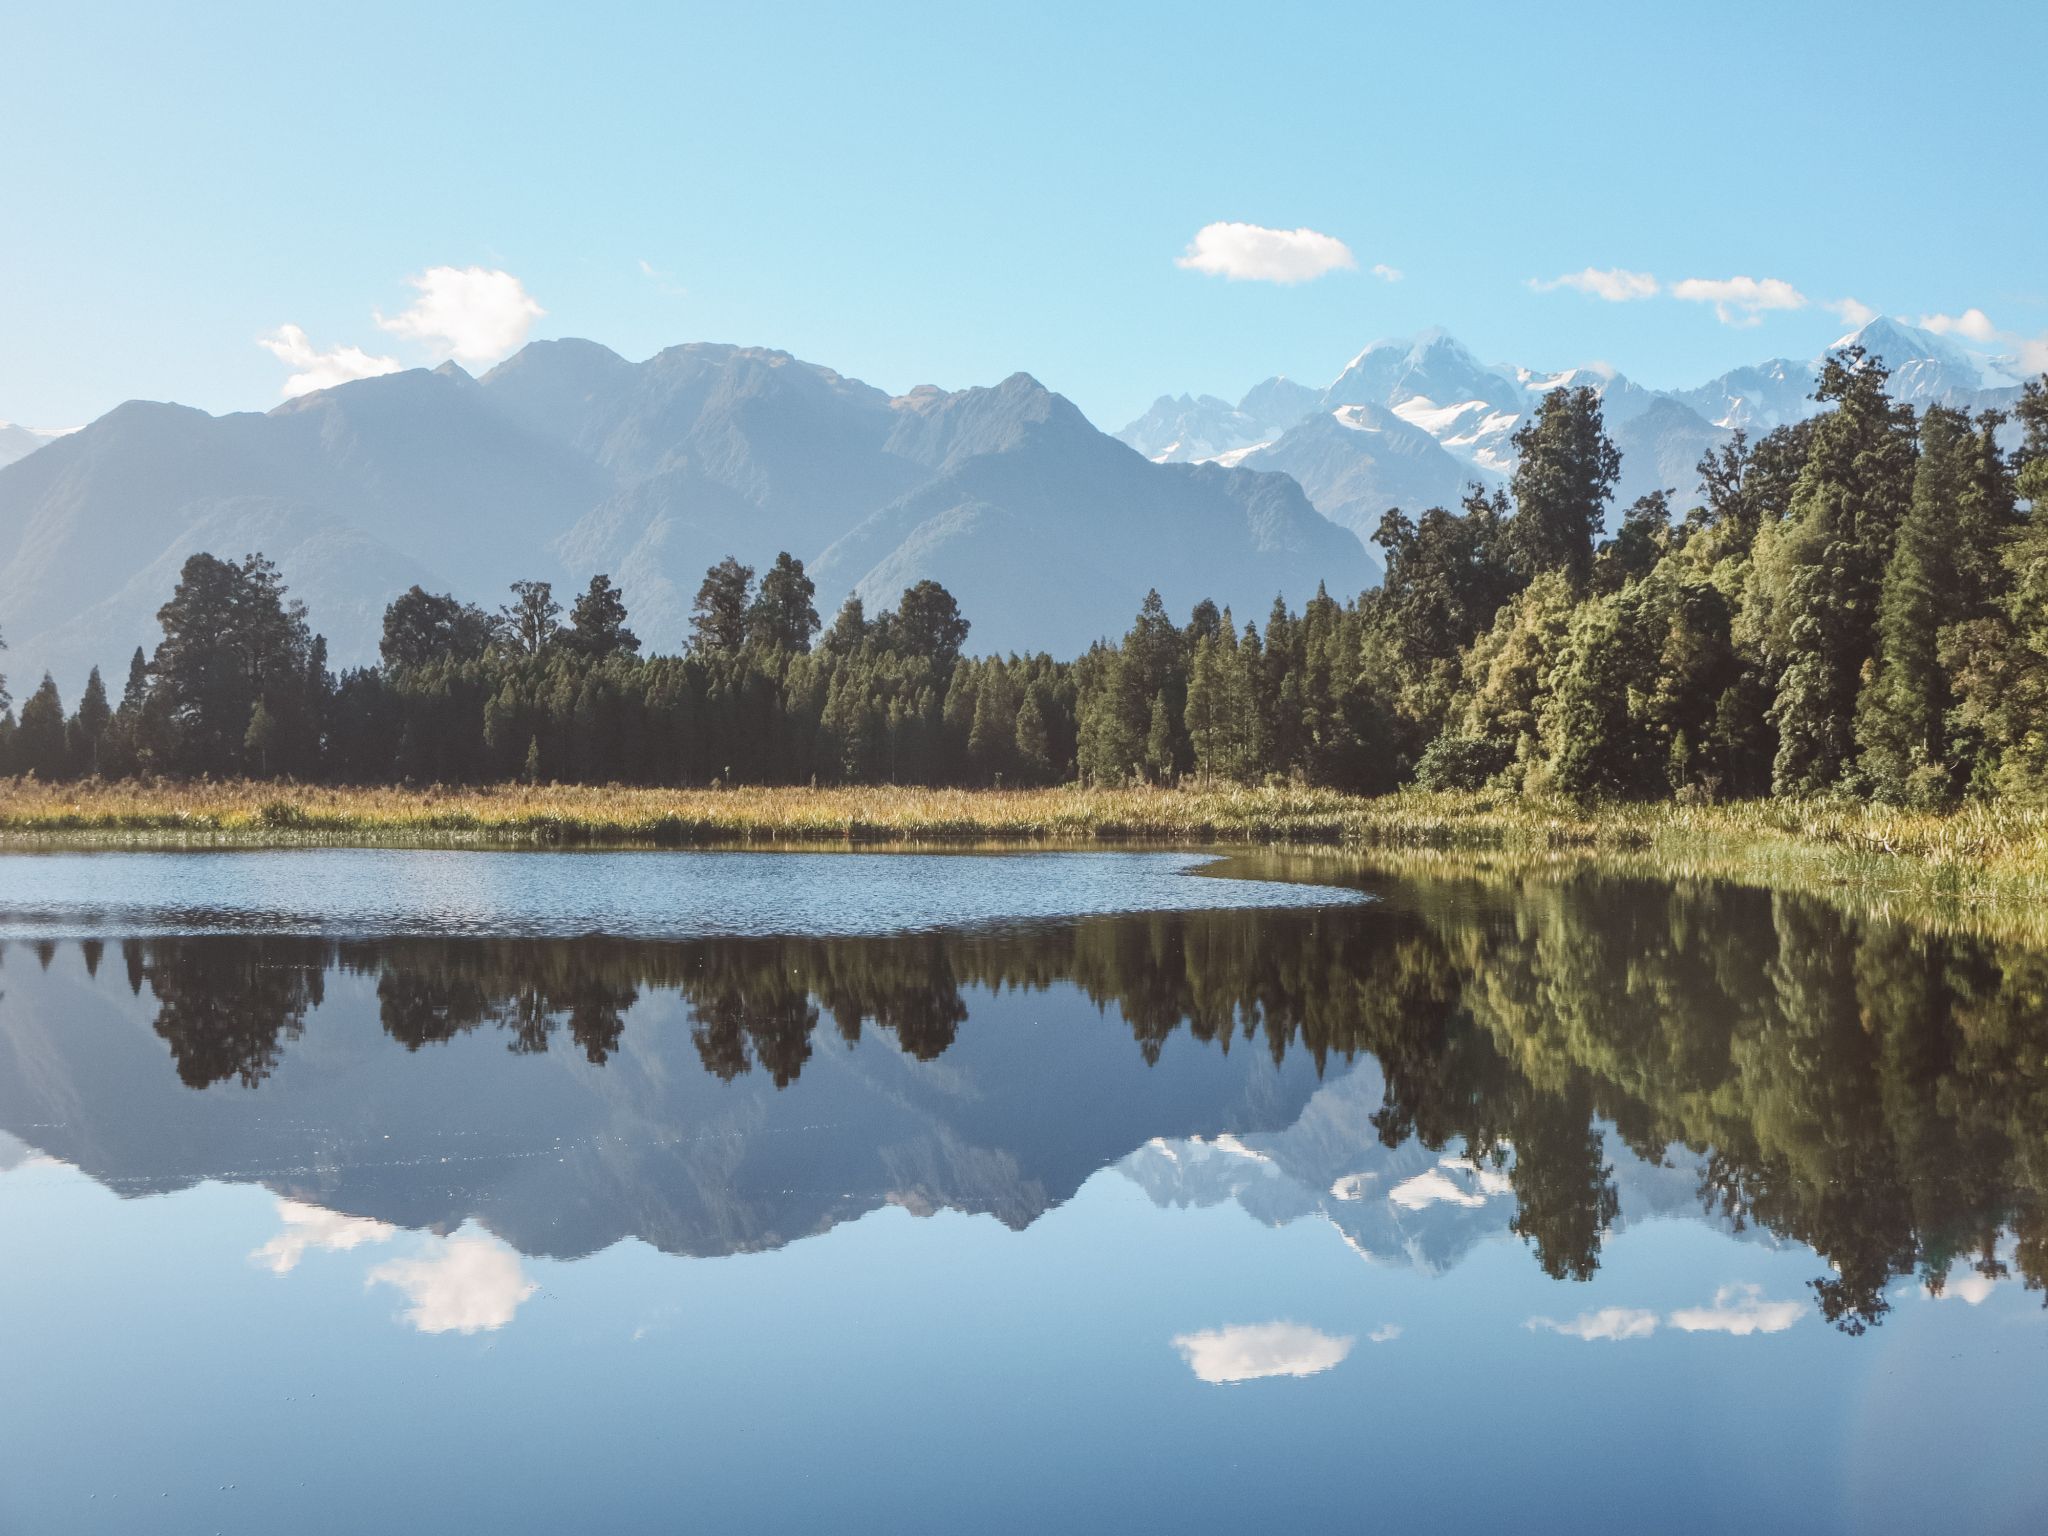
<point x="1977" y="855"/>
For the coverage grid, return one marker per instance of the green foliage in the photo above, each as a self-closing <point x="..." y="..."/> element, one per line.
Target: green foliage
<point x="597" y="624"/>
<point x="1457" y="761"/>
<point x="1447" y="576"/>
<point x="231" y="642"/>
<point x="782" y="617"/>
<point x="420" y="627"/>
<point x="718" y="621"/>
<point x="531" y="622"/>
<point x="1942" y="575"/>
<point x="1563" y="481"/>
<point x="39" y="744"/>
<point x="1818" y="575"/>
<point x="87" y="733"/>
<point x="1998" y="663"/>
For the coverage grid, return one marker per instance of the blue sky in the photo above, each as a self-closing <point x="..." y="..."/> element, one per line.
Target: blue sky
<point x="950" y="193"/>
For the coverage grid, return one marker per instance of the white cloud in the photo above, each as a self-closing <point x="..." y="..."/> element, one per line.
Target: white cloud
<point x="1254" y="1351"/>
<point x="1740" y="300"/>
<point x="474" y="314"/>
<point x="1972" y="1289"/>
<point x="1617" y="285"/>
<point x="1854" y="313"/>
<point x="2030" y="352"/>
<point x="1386" y="1333"/>
<point x="468" y="1283"/>
<point x="1971" y="323"/>
<point x="1740" y="1310"/>
<point x="313" y="1227"/>
<point x="320" y="370"/>
<point x="1611" y="1323"/>
<point x="1254" y="253"/>
<point x="1385" y="273"/>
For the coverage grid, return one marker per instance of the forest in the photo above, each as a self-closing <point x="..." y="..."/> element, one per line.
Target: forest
<point x="1857" y="608"/>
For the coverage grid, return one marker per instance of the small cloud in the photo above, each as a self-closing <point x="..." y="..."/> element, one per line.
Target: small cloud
<point x="1973" y="324"/>
<point x="1740" y="301"/>
<point x="1386" y="1333"/>
<point x="1253" y="253"/>
<point x="1385" y="273"/>
<point x="309" y="1228"/>
<point x="663" y="281"/>
<point x="474" y="314"/>
<point x="2032" y="352"/>
<point x="468" y="1283"/>
<point x="1970" y="1284"/>
<point x="1255" y="1351"/>
<point x="320" y="370"/>
<point x="1853" y="313"/>
<point x="1611" y="1323"/>
<point x="1972" y="1289"/>
<point x="1617" y="285"/>
<point x="1740" y="1310"/>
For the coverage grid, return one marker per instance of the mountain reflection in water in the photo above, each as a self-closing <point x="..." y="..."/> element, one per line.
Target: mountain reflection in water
<point x="1554" y="1055"/>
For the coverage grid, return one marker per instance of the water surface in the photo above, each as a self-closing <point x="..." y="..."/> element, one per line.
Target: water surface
<point x="382" y="892"/>
<point x="1476" y="1201"/>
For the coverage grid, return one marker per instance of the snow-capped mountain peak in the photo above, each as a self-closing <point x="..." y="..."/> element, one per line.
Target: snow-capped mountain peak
<point x="1925" y="365"/>
<point x="1409" y="421"/>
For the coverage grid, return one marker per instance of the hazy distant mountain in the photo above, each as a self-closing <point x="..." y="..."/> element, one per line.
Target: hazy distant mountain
<point x="18" y="442"/>
<point x="356" y="492"/>
<point x="1191" y="430"/>
<point x="1471" y="411"/>
<point x="568" y="459"/>
<point x="1661" y="448"/>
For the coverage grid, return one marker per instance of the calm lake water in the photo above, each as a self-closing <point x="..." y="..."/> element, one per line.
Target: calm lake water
<point x="353" y="1192"/>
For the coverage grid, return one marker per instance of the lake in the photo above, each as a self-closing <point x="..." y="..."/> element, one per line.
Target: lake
<point x="348" y="1191"/>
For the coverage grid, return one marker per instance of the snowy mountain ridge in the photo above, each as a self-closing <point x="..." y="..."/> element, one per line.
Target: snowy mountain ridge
<point x="1472" y="410"/>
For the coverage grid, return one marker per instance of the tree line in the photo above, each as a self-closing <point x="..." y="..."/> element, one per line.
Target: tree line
<point x="1859" y="605"/>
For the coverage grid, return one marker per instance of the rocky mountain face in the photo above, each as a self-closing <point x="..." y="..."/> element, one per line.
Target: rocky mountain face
<point x="1347" y="447"/>
<point x="568" y="459"/>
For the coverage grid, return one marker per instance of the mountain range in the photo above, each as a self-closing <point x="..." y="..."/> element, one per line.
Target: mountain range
<point x="567" y="460"/>
<point x="1411" y="422"/>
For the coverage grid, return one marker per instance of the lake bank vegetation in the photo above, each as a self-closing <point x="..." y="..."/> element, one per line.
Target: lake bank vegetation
<point x="1982" y="862"/>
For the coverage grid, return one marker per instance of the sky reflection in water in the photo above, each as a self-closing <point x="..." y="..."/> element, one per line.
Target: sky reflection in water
<point x="1535" y="1203"/>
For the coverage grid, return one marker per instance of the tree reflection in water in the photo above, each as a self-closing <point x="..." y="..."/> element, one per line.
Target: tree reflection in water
<point x="1877" y="1092"/>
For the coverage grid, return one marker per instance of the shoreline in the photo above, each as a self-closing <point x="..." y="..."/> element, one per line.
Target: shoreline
<point x="1976" y="856"/>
